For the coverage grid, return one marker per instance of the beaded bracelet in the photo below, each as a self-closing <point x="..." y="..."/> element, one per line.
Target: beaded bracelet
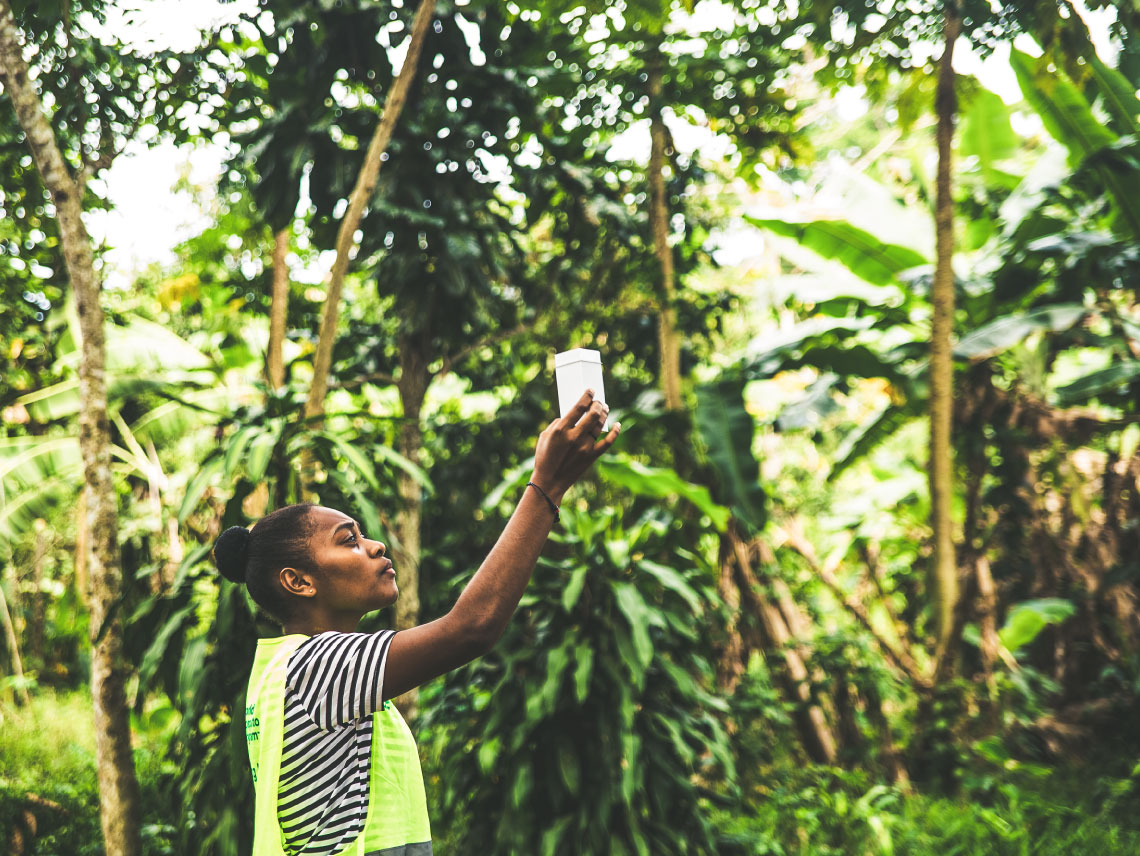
<point x="549" y="501"/>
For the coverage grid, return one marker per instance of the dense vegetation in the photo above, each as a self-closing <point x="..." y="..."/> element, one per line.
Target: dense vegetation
<point x="746" y="636"/>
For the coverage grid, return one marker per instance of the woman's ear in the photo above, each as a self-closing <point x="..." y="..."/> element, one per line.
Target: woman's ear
<point x="297" y="582"/>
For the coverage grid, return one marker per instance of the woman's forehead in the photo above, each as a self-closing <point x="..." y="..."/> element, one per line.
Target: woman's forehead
<point x="329" y="518"/>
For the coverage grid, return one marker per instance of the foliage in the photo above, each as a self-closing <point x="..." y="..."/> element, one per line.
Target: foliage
<point x="826" y="812"/>
<point x="592" y="718"/>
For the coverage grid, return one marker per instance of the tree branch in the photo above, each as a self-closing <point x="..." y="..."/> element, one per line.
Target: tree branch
<point x="450" y="362"/>
<point x="360" y="380"/>
<point x="357" y="201"/>
<point x="897" y="657"/>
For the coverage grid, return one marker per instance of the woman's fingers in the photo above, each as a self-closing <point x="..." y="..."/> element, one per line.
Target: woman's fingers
<point x="590" y="426"/>
<point x="575" y="413"/>
<point x="604" y="444"/>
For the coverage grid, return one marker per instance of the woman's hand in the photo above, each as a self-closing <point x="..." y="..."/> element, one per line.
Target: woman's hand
<point x="569" y="445"/>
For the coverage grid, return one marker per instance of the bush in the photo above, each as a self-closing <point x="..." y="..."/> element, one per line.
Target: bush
<point x="828" y="812"/>
<point x="589" y="729"/>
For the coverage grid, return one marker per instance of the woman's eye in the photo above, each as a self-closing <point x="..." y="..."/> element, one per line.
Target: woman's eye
<point x="351" y="539"/>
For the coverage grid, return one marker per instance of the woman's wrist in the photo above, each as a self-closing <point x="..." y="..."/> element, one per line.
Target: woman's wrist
<point x="548" y="487"/>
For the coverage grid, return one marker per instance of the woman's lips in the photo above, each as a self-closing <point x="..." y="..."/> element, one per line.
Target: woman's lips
<point x="387" y="567"/>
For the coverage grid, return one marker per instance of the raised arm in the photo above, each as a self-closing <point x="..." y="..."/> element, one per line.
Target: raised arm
<point x="565" y="450"/>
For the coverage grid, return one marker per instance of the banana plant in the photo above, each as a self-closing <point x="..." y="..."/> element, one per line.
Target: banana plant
<point x="1078" y="230"/>
<point x="146" y="362"/>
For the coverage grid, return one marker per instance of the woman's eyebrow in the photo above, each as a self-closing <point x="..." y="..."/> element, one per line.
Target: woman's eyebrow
<point x="347" y="524"/>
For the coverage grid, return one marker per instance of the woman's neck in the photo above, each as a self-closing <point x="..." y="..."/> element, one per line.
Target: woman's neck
<point x="319" y="621"/>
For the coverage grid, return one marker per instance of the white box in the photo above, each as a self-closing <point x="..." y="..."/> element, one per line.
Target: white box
<point x="576" y="371"/>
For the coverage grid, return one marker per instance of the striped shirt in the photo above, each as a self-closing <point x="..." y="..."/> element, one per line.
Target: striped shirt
<point x="333" y="685"/>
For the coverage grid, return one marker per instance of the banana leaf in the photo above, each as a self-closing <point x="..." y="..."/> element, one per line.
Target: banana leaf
<point x="862" y="253"/>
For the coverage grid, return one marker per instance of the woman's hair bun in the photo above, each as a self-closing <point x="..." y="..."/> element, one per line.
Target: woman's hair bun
<point x="231" y="551"/>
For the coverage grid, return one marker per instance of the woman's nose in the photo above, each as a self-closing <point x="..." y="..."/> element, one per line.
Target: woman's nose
<point x="379" y="548"/>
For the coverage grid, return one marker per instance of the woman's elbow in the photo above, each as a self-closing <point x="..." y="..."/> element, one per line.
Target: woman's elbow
<point x="483" y="635"/>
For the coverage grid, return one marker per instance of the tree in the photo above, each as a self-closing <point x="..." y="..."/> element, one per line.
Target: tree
<point x="945" y="573"/>
<point x="118" y="787"/>
<point x="361" y="195"/>
<point x="117" y="92"/>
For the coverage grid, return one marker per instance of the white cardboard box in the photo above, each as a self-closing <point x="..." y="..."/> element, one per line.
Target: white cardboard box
<point x="576" y="371"/>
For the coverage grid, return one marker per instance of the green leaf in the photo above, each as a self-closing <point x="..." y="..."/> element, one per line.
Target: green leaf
<point x="190" y="671"/>
<point x="876" y="428"/>
<point x="1008" y="330"/>
<point x="573" y="589"/>
<point x="986" y="132"/>
<point x="522" y="786"/>
<point x="1027" y="619"/>
<point x="488" y="752"/>
<point x="638" y="615"/>
<point x="17" y="514"/>
<point x="1117" y="94"/>
<point x="357" y="461"/>
<point x="631" y="748"/>
<point x="568" y="767"/>
<point x="869" y="258"/>
<point x="513" y="479"/>
<point x="57" y="401"/>
<point x="555" y="668"/>
<point x="1112" y="377"/>
<point x="400" y="462"/>
<point x="726" y="430"/>
<point x="261" y="450"/>
<point x="661" y="483"/>
<point x="27" y="461"/>
<point x="158" y="648"/>
<point x="235" y="449"/>
<point x="582" y="672"/>
<point x="553" y="835"/>
<point x="673" y="581"/>
<point x="769" y="354"/>
<point x="1068" y="117"/>
<point x="198" y="485"/>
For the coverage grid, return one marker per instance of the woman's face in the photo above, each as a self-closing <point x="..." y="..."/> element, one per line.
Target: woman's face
<point x="352" y="574"/>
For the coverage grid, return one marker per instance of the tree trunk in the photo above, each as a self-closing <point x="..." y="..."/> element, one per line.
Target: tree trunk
<point x="278" y="310"/>
<point x="118" y="786"/>
<point x="945" y="575"/>
<point x="34" y="631"/>
<point x="888" y="750"/>
<point x="82" y="542"/>
<point x="359" y="198"/>
<point x="987" y="608"/>
<point x="13" y="646"/>
<point x="668" y="339"/>
<point x="816" y="735"/>
<point x="412" y="385"/>
<point x="731" y="658"/>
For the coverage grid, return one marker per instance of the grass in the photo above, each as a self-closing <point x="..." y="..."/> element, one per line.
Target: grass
<point x="52" y="740"/>
<point x="47" y="749"/>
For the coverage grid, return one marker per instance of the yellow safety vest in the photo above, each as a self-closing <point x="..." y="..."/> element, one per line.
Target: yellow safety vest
<point x="397" y="820"/>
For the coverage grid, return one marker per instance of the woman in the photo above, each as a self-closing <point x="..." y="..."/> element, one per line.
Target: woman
<point x="335" y="768"/>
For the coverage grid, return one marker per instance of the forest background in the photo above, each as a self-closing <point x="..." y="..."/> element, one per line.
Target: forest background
<point x="862" y="574"/>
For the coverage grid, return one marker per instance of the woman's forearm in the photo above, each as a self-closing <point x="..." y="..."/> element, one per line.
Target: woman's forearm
<point x="490" y="599"/>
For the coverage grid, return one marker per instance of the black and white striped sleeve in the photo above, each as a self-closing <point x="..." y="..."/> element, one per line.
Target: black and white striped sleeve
<point x="339" y="677"/>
